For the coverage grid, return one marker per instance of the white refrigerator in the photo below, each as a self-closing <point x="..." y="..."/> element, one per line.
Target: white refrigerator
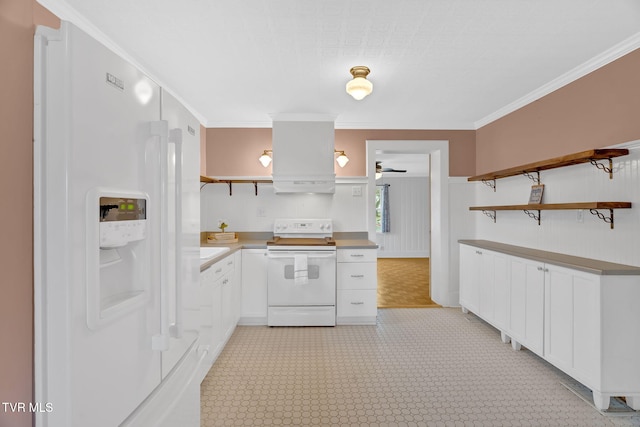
<point x="116" y="246"/>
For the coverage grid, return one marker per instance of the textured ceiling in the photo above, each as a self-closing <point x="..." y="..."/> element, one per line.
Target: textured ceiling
<point x="435" y="64"/>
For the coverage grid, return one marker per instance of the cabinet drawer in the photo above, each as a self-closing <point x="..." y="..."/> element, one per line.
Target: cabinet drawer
<point x="357" y="303"/>
<point x="357" y="255"/>
<point x="360" y="275"/>
<point x="220" y="268"/>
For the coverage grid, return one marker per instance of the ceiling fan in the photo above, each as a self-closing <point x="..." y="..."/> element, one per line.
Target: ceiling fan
<point x="380" y="169"/>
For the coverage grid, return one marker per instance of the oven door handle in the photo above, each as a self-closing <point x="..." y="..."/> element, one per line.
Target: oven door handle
<point x="280" y="254"/>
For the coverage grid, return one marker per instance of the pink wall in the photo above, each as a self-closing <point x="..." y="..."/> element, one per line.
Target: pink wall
<point x="235" y="151"/>
<point x="598" y="110"/>
<point x="17" y="18"/>
<point x="203" y="151"/>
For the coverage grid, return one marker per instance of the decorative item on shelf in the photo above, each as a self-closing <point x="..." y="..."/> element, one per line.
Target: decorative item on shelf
<point x="535" y="198"/>
<point x="342" y="159"/>
<point x="359" y="87"/>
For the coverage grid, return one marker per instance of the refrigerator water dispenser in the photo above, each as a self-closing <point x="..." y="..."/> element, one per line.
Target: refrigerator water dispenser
<point x="118" y="254"/>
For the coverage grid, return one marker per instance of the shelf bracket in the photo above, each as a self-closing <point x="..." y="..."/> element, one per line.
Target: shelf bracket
<point x="490" y="183"/>
<point x="607" y="169"/>
<point x="255" y="186"/>
<point x="490" y="214"/>
<point x="533" y="215"/>
<point x="535" y="177"/>
<point x="230" y="187"/>
<point x="608" y="220"/>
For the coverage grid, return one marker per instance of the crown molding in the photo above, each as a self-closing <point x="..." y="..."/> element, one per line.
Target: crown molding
<point x="599" y="61"/>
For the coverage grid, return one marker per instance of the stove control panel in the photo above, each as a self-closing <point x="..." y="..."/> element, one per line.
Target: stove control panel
<point x="303" y="227"/>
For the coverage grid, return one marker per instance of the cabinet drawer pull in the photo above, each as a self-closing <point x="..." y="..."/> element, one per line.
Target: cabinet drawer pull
<point x="540" y="269"/>
<point x="219" y="270"/>
<point x="479" y="252"/>
<point x="357" y="302"/>
<point x="230" y="263"/>
<point x="357" y="255"/>
<point x="357" y="276"/>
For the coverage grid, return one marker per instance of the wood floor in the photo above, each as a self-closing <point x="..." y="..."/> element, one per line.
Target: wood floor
<point x="404" y="283"/>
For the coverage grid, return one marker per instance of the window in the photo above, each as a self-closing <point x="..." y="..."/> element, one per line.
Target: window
<point x="382" y="209"/>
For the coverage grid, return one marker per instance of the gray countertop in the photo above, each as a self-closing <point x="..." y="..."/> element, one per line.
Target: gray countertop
<point x="262" y="244"/>
<point x="587" y="265"/>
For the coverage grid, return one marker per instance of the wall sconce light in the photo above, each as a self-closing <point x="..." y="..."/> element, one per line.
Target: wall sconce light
<point x="265" y="159"/>
<point x="359" y="87"/>
<point x="342" y="158"/>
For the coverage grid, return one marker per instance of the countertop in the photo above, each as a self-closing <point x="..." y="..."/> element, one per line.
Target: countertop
<point x="262" y="244"/>
<point x="587" y="265"/>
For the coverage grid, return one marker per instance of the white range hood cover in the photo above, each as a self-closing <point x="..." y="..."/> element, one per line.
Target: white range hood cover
<point x="303" y="154"/>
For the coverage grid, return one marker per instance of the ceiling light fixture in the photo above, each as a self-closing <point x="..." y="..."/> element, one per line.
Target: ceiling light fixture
<point x="265" y="158"/>
<point x="359" y="87"/>
<point x="342" y="158"/>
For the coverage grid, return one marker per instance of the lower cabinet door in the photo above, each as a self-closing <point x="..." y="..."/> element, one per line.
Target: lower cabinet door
<point x="526" y="294"/>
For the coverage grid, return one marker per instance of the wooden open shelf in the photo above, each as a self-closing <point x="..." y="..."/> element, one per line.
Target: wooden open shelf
<point x="230" y="182"/>
<point x="555" y="206"/>
<point x="589" y="156"/>
<point x="594" y="208"/>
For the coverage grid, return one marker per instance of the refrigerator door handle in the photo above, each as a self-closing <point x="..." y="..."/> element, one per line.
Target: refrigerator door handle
<point x="160" y="342"/>
<point x="176" y="329"/>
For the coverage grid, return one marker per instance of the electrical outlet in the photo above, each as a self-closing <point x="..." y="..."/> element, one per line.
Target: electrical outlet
<point x="356" y="191"/>
<point x="580" y="215"/>
<point x="261" y="212"/>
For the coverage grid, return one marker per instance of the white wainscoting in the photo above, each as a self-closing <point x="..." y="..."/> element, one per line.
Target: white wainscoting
<point x="410" y="219"/>
<point x="563" y="231"/>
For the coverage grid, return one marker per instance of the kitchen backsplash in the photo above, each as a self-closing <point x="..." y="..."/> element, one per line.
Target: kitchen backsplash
<point x="246" y="211"/>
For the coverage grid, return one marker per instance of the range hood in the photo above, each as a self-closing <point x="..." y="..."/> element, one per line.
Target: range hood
<point x="303" y="154"/>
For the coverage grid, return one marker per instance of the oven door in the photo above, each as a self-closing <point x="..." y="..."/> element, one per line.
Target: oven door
<point x="284" y="290"/>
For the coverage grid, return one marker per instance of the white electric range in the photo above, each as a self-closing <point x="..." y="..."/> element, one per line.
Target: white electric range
<point x="301" y="279"/>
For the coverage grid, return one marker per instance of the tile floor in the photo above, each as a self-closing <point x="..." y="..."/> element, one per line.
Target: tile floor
<point x="416" y="367"/>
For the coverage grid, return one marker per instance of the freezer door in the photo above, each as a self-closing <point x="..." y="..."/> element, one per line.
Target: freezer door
<point x="92" y="135"/>
<point x="181" y="230"/>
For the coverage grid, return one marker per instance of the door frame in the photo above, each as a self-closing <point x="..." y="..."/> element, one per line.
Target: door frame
<point x="438" y="151"/>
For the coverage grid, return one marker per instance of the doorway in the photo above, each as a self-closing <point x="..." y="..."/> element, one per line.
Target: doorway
<point x="438" y="152"/>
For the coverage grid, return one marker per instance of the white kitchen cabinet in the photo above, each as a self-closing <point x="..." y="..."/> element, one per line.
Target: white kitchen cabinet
<point x="254" y="287"/>
<point x="237" y="286"/>
<point x="218" y="313"/>
<point x="526" y="304"/>
<point x="578" y="314"/>
<point x="591" y="331"/>
<point x="470" y="265"/>
<point x="484" y="285"/>
<point x="357" y="287"/>
<point x="227" y="307"/>
<point x="210" y="329"/>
